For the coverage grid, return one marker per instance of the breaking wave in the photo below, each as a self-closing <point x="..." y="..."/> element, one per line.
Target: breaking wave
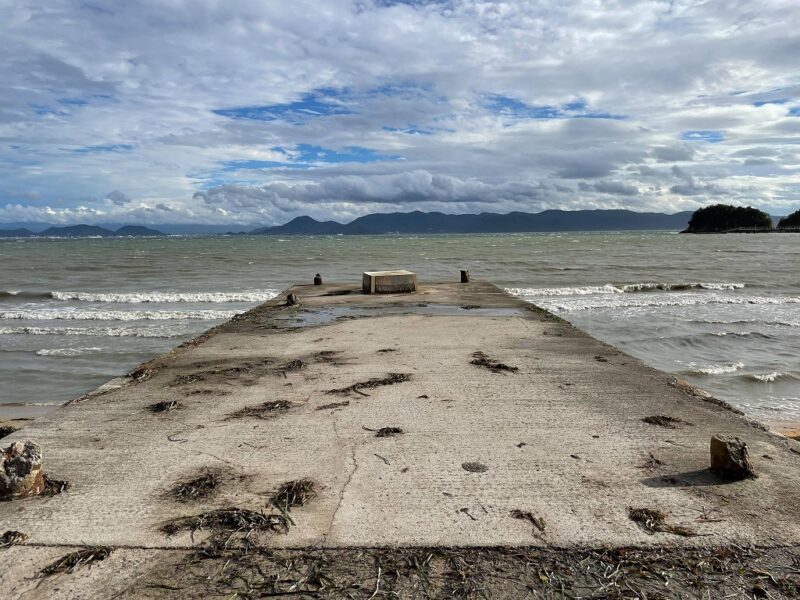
<point x="647" y="301"/>
<point x="624" y="289"/>
<point x="142" y="297"/>
<point x="54" y="314"/>
<point x="89" y="331"/>
<point x="67" y="351"/>
<point x="716" y="369"/>
<point x="771" y="377"/>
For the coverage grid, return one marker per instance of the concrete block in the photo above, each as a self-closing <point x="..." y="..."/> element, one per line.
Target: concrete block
<point x="389" y="282"/>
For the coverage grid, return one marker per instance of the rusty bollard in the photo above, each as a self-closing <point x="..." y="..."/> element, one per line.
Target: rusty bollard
<point x="21" y="472"/>
<point x="464" y="276"/>
<point x="730" y="458"/>
<point x="317" y="279"/>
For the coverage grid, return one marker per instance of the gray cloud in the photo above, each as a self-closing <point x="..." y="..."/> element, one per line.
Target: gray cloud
<point x="597" y="101"/>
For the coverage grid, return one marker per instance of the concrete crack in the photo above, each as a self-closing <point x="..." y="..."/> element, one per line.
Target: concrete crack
<point x="354" y="461"/>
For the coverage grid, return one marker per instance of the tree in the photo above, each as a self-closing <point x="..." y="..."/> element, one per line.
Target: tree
<point x="724" y="217"/>
<point x="793" y="220"/>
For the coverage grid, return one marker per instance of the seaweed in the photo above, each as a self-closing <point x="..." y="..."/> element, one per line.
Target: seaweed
<point x="53" y="486"/>
<point x="664" y="421"/>
<point x="292" y="365"/>
<point x="474" y="467"/>
<point x="388" y="431"/>
<point x="479" y="359"/>
<point x="4" y="431"/>
<point x="266" y="410"/>
<point x="12" y="538"/>
<point x="386" y="350"/>
<point x="537" y="522"/>
<point x="164" y="406"/>
<point x="197" y="488"/>
<point x="390" y="379"/>
<point x="294" y="493"/>
<point x="654" y="521"/>
<point x="230" y="520"/>
<point x="334" y="405"/>
<point x="69" y="562"/>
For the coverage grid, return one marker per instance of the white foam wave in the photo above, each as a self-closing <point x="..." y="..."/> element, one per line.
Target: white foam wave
<point x="624" y="289"/>
<point x="66" y="351"/>
<point x="88" y="331"/>
<point x="142" y="297"/>
<point x="54" y="314"/>
<point x="717" y="369"/>
<point x="771" y="377"/>
<point x="648" y="301"/>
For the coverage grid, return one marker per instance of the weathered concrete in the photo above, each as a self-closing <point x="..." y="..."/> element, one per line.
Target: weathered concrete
<point x="562" y="438"/>
<point x="388" y="282"/>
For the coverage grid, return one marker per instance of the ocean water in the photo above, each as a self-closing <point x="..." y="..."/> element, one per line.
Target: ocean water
<point x="720" y="311"/>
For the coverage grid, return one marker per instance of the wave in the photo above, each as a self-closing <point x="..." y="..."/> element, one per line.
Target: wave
<point x="20" y="294"/>
<point x="89" y="331"/>
<point x="54" y="314"/>
<point x="624" y="289"/>
<point x="754" y="334"/>
<point x="600" y="302"/>
<point x="169" y="297"/>
<point x="770" y="377"/>
<point x="716" y="369"/>
<point x="66" y="351"/>
<point x="746" y="322"/>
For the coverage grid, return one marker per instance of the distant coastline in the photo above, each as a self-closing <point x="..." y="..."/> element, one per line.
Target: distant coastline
<point x="411" y="223"/>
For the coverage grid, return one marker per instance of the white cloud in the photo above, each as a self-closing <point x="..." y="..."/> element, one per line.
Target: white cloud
<point x="132" y="111"/>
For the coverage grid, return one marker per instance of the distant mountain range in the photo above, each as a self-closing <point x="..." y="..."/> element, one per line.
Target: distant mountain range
<point x="515" y="222"/>
<point x="411" y="222"/>
<point x="82" y="231"/>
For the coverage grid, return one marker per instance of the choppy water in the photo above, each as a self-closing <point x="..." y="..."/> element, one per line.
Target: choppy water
<point x="720" y="311"/>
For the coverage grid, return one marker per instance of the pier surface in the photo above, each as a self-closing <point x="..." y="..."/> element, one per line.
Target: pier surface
<point x="450" y="443"/>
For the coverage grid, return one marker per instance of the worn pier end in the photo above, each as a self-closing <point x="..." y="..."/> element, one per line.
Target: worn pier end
<point x="457" y="433"/>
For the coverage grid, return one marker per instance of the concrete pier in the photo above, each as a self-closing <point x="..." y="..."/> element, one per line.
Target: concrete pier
<point x="440" y="438"/>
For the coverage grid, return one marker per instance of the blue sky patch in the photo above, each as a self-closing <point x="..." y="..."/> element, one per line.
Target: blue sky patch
<point x="320" y="103"/>
<point x="703" y="136"/>
<point x="514" y="108"/>
<point x="103" y="148"/>
<point x="794" y="111"/>
<point x="309" y="154"/>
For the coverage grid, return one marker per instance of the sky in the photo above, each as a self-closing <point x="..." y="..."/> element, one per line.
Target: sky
<point x="254" y="112"/>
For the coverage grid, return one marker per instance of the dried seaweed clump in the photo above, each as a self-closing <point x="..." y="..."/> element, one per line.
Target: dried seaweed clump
<point x="479" y="359"/>
<point x="664" y="421"/>
<point x="334" y="405"/>
<point x="197" y="488"/>
<point x="388" y="432"/>
<point x="654" y="521"/>
<point x="292" y="365"/>
<point x="53" y="486"/>
<point x="390" y="379"/>
<point x="73" y="560"/>
<point x="4" y="431"/>
<point x="266" y="410"/>
<point x="164" y="406"/>
<point x="229" y="520"/>
<point x="474" y="467"/>
<point x="537" y="522"/>
<point x="294" y="493"/>
<point x="12" y="538"/>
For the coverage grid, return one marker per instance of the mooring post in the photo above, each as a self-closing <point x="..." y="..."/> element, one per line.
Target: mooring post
<point x="317" y="279"/>
<point x="464" y="276"/>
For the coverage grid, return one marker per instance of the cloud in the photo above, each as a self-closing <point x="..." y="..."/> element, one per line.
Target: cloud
<point x="247" y="111"/>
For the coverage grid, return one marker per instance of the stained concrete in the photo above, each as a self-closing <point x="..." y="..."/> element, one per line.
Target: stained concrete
<point x="562" y="438"/>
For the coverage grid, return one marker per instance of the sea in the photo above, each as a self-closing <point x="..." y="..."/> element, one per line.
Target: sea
<point x="721" y="311"/>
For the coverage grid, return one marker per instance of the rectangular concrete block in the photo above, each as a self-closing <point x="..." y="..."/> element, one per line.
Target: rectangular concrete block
<point x="389" y="282"/>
